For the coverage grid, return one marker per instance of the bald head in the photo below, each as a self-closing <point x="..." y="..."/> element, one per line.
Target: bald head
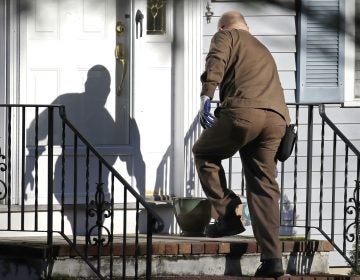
<point x="232" y="20"/>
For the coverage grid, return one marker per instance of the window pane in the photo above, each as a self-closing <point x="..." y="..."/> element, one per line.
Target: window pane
<point x="156" y="17"/>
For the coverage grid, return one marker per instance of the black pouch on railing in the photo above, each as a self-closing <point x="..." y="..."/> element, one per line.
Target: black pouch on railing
<point x="287" y="143"/>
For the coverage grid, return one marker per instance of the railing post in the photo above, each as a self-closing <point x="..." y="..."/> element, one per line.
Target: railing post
<point x="50" y="180"/>
<point x="309" y="170"/>
<point x="150" y="227"/>
<point x="357" y="229"/>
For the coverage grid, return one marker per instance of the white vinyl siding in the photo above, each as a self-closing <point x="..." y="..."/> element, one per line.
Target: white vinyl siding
<point x="274" y="26"/>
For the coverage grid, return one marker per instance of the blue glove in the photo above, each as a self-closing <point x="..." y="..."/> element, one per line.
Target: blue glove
<point x="206" y="118"/>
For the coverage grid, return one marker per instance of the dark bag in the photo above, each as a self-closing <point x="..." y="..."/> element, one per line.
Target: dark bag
<point x="287" y="143"/>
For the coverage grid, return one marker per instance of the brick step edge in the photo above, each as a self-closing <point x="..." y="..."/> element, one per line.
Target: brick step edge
<point x="285" y="277"/>
<point x="196" y="248"/>
<point x="163" y="248"/>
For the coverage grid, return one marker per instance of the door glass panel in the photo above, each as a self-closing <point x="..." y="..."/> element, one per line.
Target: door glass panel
<point x="156" y="17"/>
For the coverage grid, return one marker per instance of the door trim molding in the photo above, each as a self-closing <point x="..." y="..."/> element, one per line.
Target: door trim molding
<point x="3" y="50"/>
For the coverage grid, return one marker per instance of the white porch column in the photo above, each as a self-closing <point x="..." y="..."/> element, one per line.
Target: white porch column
<point x="188" y="67"/>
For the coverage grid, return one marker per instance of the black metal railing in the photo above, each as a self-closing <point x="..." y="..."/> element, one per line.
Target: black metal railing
<point x="48" y="169"/>
<point x="319" y="183"/>
<point x="349" y="226"/>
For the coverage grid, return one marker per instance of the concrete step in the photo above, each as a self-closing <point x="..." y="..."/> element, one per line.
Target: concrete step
<point x="189" y="257"/>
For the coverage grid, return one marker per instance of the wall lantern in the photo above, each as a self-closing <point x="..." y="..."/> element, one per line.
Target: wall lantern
<point x="209" y="13"/>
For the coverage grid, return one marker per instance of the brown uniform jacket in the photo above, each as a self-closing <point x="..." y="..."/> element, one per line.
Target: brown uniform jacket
<point x="245" y="72"/>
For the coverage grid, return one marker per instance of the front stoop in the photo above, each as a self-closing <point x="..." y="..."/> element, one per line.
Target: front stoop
<point x="173" y="256"/>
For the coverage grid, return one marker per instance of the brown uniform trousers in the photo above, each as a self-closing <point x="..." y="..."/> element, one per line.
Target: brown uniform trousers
<point x="256" y="134"/>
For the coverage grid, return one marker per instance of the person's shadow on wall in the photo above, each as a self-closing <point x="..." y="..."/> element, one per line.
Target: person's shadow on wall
<point x="87" y="112"/>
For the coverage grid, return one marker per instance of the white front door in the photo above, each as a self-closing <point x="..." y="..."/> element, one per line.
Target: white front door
<point x="60" y="43"/>
<point x="67" y="56"/>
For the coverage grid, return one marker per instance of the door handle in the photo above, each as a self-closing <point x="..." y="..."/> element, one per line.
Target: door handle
<point x="120" y="59"/>
<point x="139" y="20"/>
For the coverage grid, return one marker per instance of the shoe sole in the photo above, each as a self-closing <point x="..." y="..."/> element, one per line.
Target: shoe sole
<point x="275" y="275"/>
<point x="229" y="233"/>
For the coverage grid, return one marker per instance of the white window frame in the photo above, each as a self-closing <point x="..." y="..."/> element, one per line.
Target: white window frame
<point x="349" y="87"/>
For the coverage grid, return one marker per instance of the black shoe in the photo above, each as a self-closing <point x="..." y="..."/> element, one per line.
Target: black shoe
<point x="270" y="268"/>
<point x="225" y="226"/>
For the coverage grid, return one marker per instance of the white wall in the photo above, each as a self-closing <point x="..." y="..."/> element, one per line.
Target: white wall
<point x="273" y="26"/>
